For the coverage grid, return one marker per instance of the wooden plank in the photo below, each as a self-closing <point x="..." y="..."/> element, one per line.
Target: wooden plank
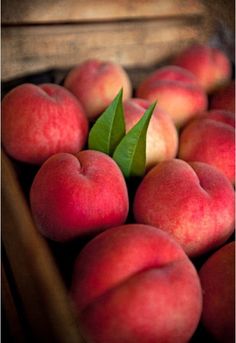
<point x="222" y="11"/>
<point x="28" y="11"/>
<point x="10" y="314"/>
<point x="34" y="48"/>
<point x="43" y="294"/>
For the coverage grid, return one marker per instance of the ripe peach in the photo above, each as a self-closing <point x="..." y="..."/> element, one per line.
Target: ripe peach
<point x="96" y="83"/>
<point x="194" y="202"/>
<point x="217" y="277"/>
<point x="81" y="194"/>
<point x="38" y="121"/>
<point x="210" y="65"/>
<point x="224" y="98"/>
<point x="211" y="139"/>
<point x="162" y="137"/>
<point x="176" y="91"/>
<point x="134" y="283"/>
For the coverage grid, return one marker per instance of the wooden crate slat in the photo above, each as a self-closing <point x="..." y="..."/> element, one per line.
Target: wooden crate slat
<point x="28" y="11"/>
<point x="34" y="48"/>
<point x="10" y="313"/>
<point x="45" y="299"/>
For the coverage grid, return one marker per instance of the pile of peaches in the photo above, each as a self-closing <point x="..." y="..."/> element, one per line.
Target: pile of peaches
<point x="136" y="280"/>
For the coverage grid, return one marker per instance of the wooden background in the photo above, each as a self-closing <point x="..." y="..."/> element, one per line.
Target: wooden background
<point x="37" y="35"/>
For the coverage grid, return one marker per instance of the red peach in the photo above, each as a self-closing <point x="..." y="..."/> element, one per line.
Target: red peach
<point x="222" y="116"/>
<point x="211" y="139"/>
<point x="217" y="277"/>
<point x="81" y="194"/>
<point x="224" y="98"/>
<point x="162" y="137"/>
<point x="210" y="65"/>
<point x="38" y="121"/>
<point x="96" y="83"/>
<point x="134" y="283"/>
<point x="176" y="91"/>
<point x="193" y="202"/>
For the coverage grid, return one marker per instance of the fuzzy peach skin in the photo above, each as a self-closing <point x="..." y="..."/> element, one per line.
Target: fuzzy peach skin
<point x="193" y="202"/>
<point x="224" y="98"/>
<point x="96" y="83"/>
<point x="211" y="139"/>
<point x="162" y="137"/>
<point x="217" y="277"/>
<point x="38" y="121"/>
<point x="210" y="65"/>
<point x="176" y="91"/>
<point x="75" y="195"/>
<point x="134" y="283"/>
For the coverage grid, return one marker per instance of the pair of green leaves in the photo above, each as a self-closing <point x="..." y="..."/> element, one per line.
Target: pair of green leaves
<point x="108" y="135"/>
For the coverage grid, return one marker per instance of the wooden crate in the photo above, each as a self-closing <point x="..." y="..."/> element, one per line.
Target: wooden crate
<point x="39" y="36"/>
<point x="59" y="34"/>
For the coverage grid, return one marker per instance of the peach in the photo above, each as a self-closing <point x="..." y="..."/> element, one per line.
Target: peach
<point x="224" y="98"/>
<point x="162" y="137"/>
<point x="38" y="121"/>
<point x="193" y="202"/>
<point x="211" y="139"/>
<point x="96" y="83"/>
<point x="176" y="91"/>
<point x="210" y="65"/>
<point x="134" y="283"/>
<point x="75" y="195"/>
<point x="217" y="277"/>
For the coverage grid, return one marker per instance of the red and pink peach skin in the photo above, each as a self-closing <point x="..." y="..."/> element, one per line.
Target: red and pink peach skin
<point x="134" y="283"/>
<point x="217" y="277"/>
<point x="162" y="137"/>
<point x="38" y="121"/>
<point x="224" y="98"/>
<point x="176" y="91"/>
<point x="76" y="195"/>
<point x="211" y="139"/>
<point x="96" y="83"/>
<point x="193" y="202"/>
<point x="210" y="65"/>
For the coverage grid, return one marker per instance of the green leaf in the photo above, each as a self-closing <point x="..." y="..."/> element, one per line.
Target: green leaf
<point x="130" y="154"/>
<point x="109" y="128"/>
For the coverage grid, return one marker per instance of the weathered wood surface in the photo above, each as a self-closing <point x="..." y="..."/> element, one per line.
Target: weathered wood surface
<point x="44" y="11"/>
<point x="33" y="48"/>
